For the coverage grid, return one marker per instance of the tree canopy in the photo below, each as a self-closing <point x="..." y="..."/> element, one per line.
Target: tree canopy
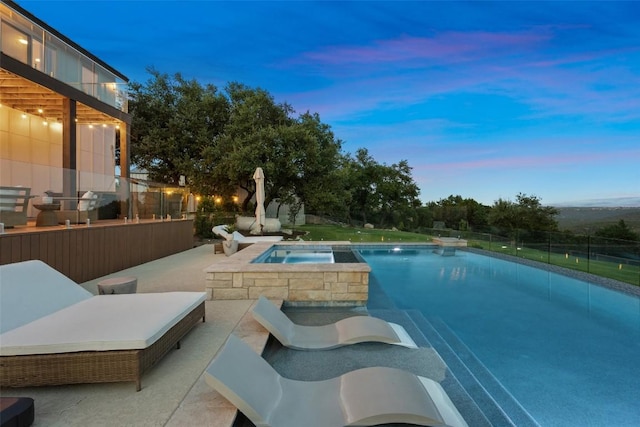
<point x="618" y="231"/>
<point x="378" y="193"/>
<point x="527" y="213"/>
<point x="174" y="123"/>
<point x="217" y="138"/>
<point x="460" y="214"/>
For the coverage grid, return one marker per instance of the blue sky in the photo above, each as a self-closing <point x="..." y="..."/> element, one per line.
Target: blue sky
<point x="484" y="99"/>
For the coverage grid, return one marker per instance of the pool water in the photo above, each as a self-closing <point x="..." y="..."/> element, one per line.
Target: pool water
<point x="308" y="254"/>
<point x="296" y="255"/>
<point x="567" y="350"/>
<point x="316" y="257"/>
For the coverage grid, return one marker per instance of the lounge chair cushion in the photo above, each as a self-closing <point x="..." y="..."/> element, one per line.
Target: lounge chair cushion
<point x="104" y="322"/>
<point x="221" y="230"/>
<point x="31" y="290"/>
<point x="255" y="239"/>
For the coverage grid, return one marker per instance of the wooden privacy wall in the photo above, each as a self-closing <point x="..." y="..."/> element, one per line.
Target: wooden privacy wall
<point x="85" y="253"/>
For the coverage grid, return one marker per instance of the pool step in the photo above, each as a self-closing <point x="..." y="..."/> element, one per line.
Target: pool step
<point x="477" y="393"/>
<point x="498" y="405"/>
<point x="464" y="403"/>
<point x="378" y="298"/>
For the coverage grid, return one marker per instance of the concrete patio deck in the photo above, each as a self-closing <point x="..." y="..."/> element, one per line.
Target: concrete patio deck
<point x="173" y="392"/>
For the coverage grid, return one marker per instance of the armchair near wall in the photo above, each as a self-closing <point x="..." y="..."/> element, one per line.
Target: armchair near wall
<point x="13" y="205"/>
<point x="87" y="208"/>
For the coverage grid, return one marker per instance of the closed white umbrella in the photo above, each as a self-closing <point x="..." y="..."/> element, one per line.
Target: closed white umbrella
<point x="261" y="218"/>
<point x="191" y="203"/>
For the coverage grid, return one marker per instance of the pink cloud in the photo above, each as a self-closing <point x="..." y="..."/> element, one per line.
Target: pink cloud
<point x="546" y="161"/>
<point x="445" y="47"/>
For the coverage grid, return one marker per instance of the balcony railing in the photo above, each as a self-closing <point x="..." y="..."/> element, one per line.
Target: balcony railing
<point x="118" y="197"/>
<point x="31" y="44"/>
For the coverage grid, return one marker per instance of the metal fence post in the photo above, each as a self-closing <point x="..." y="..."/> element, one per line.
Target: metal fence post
<point x="589" y="253"/>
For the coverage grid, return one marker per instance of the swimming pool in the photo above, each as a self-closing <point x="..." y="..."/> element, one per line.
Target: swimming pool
<point x="567" y="350"/>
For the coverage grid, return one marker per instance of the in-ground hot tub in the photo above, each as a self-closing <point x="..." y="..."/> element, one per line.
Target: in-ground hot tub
<point x="328" y="274"/>
<point x="308" y="254"/>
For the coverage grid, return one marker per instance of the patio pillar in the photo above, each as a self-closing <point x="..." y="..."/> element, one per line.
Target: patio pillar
<point x="69" y="151"/>
<point x="125" y="163"/>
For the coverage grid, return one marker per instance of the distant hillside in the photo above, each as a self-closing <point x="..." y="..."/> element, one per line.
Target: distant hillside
<point x="584" y="219"/>
<point x="614" y="202"/>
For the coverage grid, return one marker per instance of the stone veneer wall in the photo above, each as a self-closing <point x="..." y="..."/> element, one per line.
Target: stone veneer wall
<point x="449" y="241"/>
<point x="298" y="284"/>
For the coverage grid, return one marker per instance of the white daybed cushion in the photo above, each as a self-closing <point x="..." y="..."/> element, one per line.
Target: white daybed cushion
<point x="101" y="323"/>
<point x="30" y="290"/>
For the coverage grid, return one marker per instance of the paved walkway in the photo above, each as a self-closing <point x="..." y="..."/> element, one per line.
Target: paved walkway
<point x="173" y="392"/>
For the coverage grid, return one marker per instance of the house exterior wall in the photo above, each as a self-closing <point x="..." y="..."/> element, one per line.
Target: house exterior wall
<point x="31" y="155"/>
<point x="60" y="107"/>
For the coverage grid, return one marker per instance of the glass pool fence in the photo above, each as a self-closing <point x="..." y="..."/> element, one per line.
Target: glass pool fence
<point x="611" y="258"/>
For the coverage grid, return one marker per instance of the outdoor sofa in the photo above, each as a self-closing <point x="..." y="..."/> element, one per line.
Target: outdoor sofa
<point x="53" y="331"/>
<point x="86" y="207"/>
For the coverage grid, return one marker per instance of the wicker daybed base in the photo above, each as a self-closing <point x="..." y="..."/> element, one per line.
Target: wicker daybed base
<point x="94" y="366"/>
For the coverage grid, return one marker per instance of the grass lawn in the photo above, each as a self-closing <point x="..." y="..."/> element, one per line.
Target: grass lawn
<point x="357" y="235"/>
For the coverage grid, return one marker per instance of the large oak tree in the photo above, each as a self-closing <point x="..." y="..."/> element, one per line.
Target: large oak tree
<point x="174" y="124"/>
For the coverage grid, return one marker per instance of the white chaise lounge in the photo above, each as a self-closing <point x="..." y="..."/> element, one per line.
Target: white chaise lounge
<point x="221" y="230"/>
<point x="55" y="332"/>
<point x="364" y="397"/>
<point x="347" y="331"/>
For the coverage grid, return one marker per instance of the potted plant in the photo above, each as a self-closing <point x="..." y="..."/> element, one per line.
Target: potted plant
<point x="230" y="246"/>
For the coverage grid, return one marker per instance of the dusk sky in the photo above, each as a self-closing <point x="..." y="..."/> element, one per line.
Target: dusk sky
<point x="484" y="99"/>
